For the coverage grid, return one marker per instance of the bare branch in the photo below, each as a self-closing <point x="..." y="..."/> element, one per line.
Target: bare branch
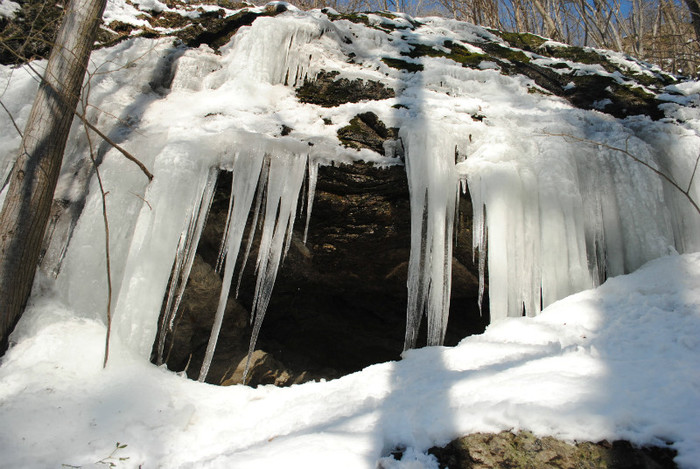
<point x="625" y="152"/>
<point x="111" y="142"/>
<point x="12" y="119"/>
<point x="116" y="146"/>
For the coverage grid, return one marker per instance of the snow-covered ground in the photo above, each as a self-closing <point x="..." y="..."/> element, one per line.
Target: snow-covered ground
<point x="620" y="361"/>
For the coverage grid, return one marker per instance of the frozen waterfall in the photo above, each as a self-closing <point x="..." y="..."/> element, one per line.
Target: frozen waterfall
<point x="557" y="208"/>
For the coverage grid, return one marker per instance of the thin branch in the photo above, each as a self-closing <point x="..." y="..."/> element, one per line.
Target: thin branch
<point x="116" y="146"/>
<point x="668" y="179"/>
<point x="111" y="142"/>
<point x="107" y="256"/>
<point x="12" y="119"/>
<point x="692" y="176"/>
<point x="144" y="200"/>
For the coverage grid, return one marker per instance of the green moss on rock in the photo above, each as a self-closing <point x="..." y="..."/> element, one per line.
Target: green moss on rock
<point x="497" y="51"/>
<point x="525" y="41"/>
<point x="462" y="55"/>
<point x="402" y="64"/>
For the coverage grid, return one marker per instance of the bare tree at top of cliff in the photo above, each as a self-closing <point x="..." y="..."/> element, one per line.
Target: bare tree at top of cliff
<point x="33" y="179"/>
<point x="694" y="7"/>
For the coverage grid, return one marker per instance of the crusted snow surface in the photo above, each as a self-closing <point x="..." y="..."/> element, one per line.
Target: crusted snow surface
<point x="620" y="361"/>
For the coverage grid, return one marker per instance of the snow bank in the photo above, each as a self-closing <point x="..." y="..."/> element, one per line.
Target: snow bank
<point x="621" y="361"/>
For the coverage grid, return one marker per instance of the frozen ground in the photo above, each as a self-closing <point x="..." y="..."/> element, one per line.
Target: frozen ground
<point x="620" y="361"/>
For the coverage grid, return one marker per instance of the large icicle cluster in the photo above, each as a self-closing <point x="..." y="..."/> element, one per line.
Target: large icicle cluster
<point x="432" y="183"/>
<point x="560" y="218"/>
<point x="277" y="178"/>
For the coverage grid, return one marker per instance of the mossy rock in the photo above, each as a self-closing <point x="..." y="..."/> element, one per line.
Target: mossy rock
<point x="625" y="100"/>
<point x="168" y="19"/>
<point x="327" y="90"/>
<point x="497" y="51"/>
<point x="363" y="18"/>
<point x="216" y="30"/>
<point x="423" y="50"/>
<point x="457" y="53"/>
<point x="527" y="451"/>
<point x="357" y="18"/>
<point x="657" y="80"/>
<point x="525" y="41"/>
<point x="402" y="65"/>
<point x="463" y="56"/>
<point x="582" y="55"/>
<point x="366" y="131"/>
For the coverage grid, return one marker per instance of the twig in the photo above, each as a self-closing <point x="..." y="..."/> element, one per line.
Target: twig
<point x="86" y="126"/>
<point x="81" y="116"/>
<point x="128" y="155"/>
<point x="625" y="152"/>
<point x="692" y="176"/>
<point x="144" y="200"/>
<point x="12" y="119"/>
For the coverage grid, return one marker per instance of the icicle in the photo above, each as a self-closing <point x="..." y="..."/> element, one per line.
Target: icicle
<point x="222" y="248"/>
<point x="254" y="225"/>
<point x="433" y="185"/>
<point x="313" y="176"/>
<point x="187" y="248"/>
<point x="258" y="55"/>
<point x="286" y="176"/>
<point x="246" y="173"/>
<point x="560" y="218"/>
<point x="277" y="181"/>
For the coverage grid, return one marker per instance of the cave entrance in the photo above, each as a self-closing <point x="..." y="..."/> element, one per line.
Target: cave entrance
<point x="339" y="301"/>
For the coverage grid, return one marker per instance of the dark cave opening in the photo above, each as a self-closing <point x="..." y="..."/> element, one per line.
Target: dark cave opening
<point x="339" y="302"/>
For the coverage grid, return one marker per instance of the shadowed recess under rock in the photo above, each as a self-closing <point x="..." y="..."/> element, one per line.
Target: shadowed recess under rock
<point x="339" y="302"/>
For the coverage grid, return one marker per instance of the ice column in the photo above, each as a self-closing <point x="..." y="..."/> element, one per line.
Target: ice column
<point x="177" y="198"/>
<point x="433" y="187"/>
<point x="184" y="259"/>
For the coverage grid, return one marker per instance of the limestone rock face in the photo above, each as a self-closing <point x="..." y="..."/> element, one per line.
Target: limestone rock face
<point x="526" y="451"/>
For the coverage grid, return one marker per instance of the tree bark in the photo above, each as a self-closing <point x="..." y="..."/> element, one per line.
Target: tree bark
<point x="552" y="30"/>
<point x="33" y="179"/>
<point x="694" y="7"/>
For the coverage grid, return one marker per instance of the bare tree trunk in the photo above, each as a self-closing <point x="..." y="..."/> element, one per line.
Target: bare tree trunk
<point x="694" y="7"/>
<point x="35" y="173"/>
<point x="551" y="27"/>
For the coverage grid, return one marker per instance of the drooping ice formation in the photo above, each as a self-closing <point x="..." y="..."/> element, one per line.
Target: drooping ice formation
<point x="184" y="258"/>
<point x="561" y="217"/>
<point x="433" y="187"/>
<point x="277" y="175"/>
<point x="276" y="50"/>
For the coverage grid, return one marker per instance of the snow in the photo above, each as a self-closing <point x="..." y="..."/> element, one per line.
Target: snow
<point x="556" y="202"/>
<point x="620" y="361"/>
<point x="8" y="8"/>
